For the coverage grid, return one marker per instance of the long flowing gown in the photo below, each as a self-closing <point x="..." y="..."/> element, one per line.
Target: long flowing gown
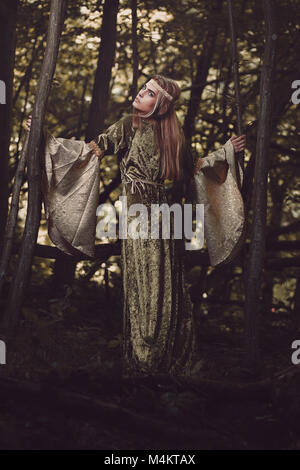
<point x="159" y="332"/>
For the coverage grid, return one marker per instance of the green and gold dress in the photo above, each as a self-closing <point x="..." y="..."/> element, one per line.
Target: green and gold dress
<point x="159" y="334"/>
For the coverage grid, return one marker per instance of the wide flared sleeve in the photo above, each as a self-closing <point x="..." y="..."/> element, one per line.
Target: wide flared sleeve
<point x="215" y="184"/>
<point x="70" y="187"/>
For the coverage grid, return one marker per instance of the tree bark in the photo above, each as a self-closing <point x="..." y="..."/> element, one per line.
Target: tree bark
<point x="65" y="265"/>
<point x="36" y="48"/>
<point x="21" y="278"/>
<point x="255" y="262"/>
<point x="199" y="82"/>
<point x="235" y="65"/>
<point x="135" y="54"/>
<point x="13" y="215"/>
<point x="198" y="85"/>
<point x="296" y="309"/>
<point x="8" y="17"/>
<point x="98" y="108"/>
<point x="82" y="106"/>
<point x="194" y="258"/>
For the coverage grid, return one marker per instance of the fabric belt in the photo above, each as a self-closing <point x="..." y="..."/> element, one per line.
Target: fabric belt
<point x="134" y="183"/>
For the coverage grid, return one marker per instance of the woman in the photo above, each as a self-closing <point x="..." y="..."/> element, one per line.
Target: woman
<point x="158" y="324"/>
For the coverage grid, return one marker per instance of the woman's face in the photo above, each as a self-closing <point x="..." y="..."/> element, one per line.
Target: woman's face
<point x="145" y="99"/>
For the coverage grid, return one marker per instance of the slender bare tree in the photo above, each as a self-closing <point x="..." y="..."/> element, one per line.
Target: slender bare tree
<point x="255" y="263"/>
<point x="21" y="277"/>
<point x="65" y="265"/>
<point x="13" y="215"/>
<point x="235" y="65"/>
<point x="135" y="54"/>
<point x="8" y="16"/>
<point x="106" y="60"/>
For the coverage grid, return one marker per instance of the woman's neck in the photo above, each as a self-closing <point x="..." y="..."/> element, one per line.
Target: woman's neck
<point x="151" y="120"/>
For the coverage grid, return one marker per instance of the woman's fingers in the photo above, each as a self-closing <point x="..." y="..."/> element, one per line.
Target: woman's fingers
<point x="243" y="136"/>
<point x="239" y="142"/>
<point x="239" y="138"/>
<point x="28" y="123"/>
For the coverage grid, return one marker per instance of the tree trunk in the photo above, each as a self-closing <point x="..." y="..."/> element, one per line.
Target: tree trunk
<point x="63" y="272"/>
<point x="199" y="82"/>
<point x="296" y="309"/>
<point x="8" y="15"/>
<point x="82" y="106"/>
<point x="65" y="265"/>
<point x="135" y="54"/>
<point x="235" y="65"/>
<point x="21" y="277"/>
<point x="106" y="59"/>
<point x="258" y="235"/>
<point x="277" y="194"/>
<point x="13" y="216"/>
<point x="36" y="47"/>
<point x="197" y="88"/>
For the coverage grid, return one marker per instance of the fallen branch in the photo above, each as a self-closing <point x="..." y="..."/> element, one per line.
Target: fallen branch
<point x="88" y="407"/>
<point x="193" y="258"/>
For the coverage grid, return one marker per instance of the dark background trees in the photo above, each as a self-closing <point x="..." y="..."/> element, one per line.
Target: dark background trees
<point x="100" y="66"/>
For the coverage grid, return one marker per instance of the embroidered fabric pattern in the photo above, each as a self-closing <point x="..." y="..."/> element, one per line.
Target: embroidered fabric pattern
<point x="224" y="216"/>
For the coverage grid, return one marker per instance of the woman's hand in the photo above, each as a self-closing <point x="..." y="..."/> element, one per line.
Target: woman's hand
<point x="239" y="142"/>
<point x="28" y="123"/>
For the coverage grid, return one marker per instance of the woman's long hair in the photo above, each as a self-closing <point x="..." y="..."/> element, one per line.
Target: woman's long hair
<point x="169" y="134"/>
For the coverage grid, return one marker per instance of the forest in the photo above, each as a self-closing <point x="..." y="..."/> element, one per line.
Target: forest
<point x="76" y="67"/>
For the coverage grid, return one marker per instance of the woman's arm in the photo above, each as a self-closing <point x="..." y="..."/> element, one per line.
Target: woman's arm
<point x="110" y="141"/>
<point x="216" y="182"/>
<point x="70" y="174"/>
<point x="115" y="138"/>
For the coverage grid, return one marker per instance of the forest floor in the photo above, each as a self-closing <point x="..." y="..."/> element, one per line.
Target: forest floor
<point x="61" y="386"/>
